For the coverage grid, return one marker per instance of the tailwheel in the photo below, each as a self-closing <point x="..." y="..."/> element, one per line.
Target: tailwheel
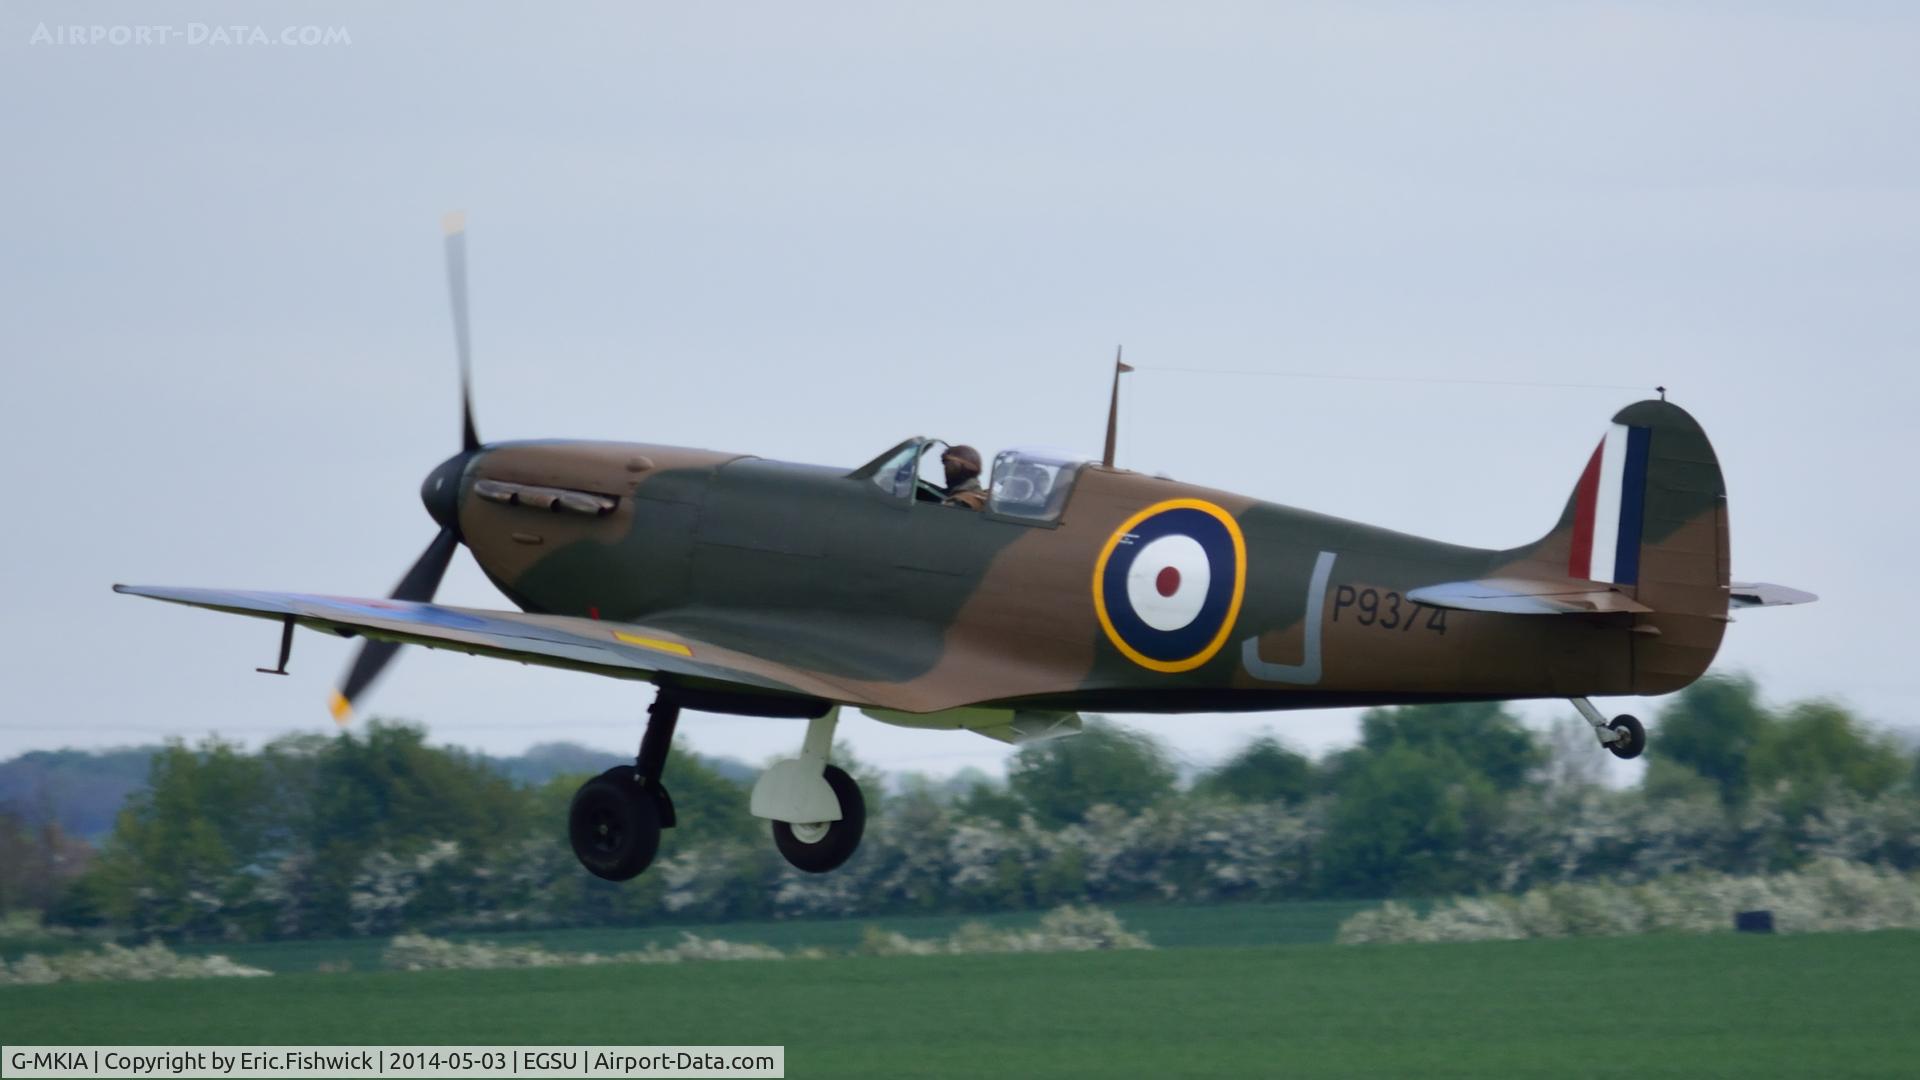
<point x="1629" y="738"/>
<point x="1622" y="736"/>
<point x="614" y="824"/>
<point x="820" y="846"/>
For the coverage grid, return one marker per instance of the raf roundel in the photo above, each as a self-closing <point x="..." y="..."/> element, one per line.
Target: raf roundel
<point x="1168" y="584"/>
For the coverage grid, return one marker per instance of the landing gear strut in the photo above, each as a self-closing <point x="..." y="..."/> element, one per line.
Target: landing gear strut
<point x="816" y="810"/>
<point x="1622" y="736"/>
<point x="615" y="820"/>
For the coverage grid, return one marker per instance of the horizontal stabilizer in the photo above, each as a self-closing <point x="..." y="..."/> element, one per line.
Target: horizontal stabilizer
<point x="1527" y="596"/>
<point x="1762" y="594"/>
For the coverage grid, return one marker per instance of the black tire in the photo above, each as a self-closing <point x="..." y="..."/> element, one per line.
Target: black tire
<point x="1636" y="737"/>
<point x="828" y="851"/>
<point x="614" y="825"/>
<point x="629" y="775"/>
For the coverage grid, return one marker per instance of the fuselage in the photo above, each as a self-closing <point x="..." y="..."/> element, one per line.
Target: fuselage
<point x="840" y="572"/>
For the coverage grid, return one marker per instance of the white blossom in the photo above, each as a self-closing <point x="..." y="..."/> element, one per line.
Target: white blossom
<point x="1829" y="895"/>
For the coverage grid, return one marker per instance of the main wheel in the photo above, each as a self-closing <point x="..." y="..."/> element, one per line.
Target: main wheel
<point x="1631" y="738"/>
<point x="614" y="825"/>
<point x="820" y="846"/>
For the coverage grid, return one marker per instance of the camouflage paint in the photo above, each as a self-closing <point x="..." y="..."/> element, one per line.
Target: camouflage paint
<point x="819" y="572"/>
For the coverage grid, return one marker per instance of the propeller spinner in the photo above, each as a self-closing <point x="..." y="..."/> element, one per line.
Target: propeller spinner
<point x="439" y="492"/>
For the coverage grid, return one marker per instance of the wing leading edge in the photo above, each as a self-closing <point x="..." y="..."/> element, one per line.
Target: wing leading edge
<point x="622" y="650"/>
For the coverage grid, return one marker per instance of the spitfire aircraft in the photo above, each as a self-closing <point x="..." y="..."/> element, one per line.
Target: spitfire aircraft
<point x="741" y="585"/>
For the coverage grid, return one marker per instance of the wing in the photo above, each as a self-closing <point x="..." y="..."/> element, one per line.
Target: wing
<point x="623" y="650"/>
<point x="1526" y="596"/>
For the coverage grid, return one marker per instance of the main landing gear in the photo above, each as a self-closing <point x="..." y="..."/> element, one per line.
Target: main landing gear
<point x="816" y="809"/>
<point x="616" y="817"/>
<point x="1622" y="736"/>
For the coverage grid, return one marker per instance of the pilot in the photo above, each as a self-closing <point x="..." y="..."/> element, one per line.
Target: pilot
<point x="963" y="478"/>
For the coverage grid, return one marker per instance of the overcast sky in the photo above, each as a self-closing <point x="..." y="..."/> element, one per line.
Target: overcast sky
<point x="806" y="231"/>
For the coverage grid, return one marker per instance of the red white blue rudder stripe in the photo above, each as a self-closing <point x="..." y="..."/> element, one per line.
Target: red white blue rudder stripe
<point x="1609" y="508"/>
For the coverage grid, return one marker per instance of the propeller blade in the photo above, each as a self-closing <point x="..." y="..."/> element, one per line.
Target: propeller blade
<point x="455" y="226"/>
<point x="421" y="582"/>
<point x="423" y="578"/>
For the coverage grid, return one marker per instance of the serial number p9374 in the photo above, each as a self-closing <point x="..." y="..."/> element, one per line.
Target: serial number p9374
<point x="1387" y="611"/>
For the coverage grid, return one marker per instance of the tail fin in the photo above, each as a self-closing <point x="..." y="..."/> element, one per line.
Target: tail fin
<point x="1648" y="515"/>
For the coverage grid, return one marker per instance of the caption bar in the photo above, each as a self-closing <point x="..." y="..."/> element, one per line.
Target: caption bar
<point x="392" y="1061"/>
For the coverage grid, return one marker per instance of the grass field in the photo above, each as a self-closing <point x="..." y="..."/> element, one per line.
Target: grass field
<point x="1721" y="1005"/>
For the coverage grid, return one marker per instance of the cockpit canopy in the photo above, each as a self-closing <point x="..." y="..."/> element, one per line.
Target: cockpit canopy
<point x="1028" y="483"/>
<point x="1032" y="482"/>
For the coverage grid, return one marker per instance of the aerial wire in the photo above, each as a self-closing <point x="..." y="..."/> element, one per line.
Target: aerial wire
<point x="1341" y="377"/>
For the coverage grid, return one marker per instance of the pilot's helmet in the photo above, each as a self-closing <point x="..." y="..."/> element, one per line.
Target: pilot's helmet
<point x="961" y="462"/>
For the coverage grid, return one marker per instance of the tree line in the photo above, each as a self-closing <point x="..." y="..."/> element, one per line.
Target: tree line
<point x="378" y="832"/>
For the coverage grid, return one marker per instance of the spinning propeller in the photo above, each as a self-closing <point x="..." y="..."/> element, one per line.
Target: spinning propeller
<point x="440" y="492"/>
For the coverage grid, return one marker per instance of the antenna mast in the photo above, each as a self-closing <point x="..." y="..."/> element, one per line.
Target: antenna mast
<point x="1120" y="367"/>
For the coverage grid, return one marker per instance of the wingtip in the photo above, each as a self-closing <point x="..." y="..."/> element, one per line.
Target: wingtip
<point x="341" y="708"/>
